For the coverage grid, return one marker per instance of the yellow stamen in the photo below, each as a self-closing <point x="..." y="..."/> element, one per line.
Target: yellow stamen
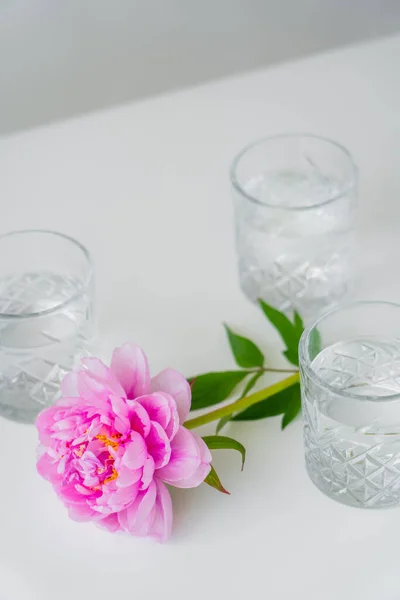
<point x="113" y="444"/>
<point x="79" y="451"/>
<point x="113" y="476"/>
<point x="107" y="442"/>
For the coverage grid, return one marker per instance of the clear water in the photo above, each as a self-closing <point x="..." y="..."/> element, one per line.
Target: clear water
<point x="37" y="351"/>
<point x="353" y="444"/>
<point x="294" y="259"/>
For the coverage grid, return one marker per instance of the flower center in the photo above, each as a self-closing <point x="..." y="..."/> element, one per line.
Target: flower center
<point x="79" y="451"/>
<point x="110" y="460"/>
<point x="107" y="442"/>
<point x="111" y="477"/>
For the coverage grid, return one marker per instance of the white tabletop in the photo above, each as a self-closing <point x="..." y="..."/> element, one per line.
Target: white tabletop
<point x="146" y="188"/>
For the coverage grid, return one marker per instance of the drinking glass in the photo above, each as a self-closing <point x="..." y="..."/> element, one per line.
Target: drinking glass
<point x="46" y="317"/>
<point x="350" y="380"/>
<point x="295" y="204"/>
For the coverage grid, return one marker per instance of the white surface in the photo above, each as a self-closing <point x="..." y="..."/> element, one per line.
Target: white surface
<point x="146" y="188"/>
<point x="64" y="57"/>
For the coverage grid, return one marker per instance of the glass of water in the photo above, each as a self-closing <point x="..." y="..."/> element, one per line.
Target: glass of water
<point x="295" y="200"/>
<point x="46" y="317"/>
<point x="350" y="378"/>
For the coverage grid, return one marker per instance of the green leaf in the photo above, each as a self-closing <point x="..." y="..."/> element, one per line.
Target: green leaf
<point x="212" y="388"/>
<point x="292" y="356"/>
<point x="221" y="442"/>
<point x="298" y="322"/>
<point x="289" y="332"/>
<point x="270" y="407"/>
<point x="293" y="409"/>
<point x="251" y="383"/>
<point x="315" y="343"/>
<point x="248" y="387"/>
<point x="214" y="481"/>
<point x="222" y="422"/>
<point x="245" y="352"/>
<point x="285" y="328"/>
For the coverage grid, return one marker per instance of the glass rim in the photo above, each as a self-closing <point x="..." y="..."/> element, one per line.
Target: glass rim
<point x="75" y="295"/>
<point x="305" y="362"/>
<point x="351" y="184"/>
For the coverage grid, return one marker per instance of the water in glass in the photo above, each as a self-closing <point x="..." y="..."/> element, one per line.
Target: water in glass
<point x="294" y="259"/>
<point x="352" y="441"/>
<point x="37" y="351"/>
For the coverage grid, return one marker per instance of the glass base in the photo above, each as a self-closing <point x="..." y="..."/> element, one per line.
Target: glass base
<point x="360" y="496"/>
<point x="35" y="386"/>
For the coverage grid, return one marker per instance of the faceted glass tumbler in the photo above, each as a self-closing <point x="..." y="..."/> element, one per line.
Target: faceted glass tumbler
<point x="350" y="381"/>
<point x="295" y="204"/>
<point x="46" y="317"/>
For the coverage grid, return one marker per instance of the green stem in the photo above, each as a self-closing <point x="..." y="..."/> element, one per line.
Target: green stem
<point x="271" y="370"/>
<point x="242" y="403"/>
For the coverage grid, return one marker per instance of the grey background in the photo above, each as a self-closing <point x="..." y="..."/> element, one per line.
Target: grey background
<point x="59" y="58"/>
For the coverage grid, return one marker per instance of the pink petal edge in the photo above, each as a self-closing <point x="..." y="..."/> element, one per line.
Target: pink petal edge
<point x="129" y="365"/>
<point x="173" y="383"/>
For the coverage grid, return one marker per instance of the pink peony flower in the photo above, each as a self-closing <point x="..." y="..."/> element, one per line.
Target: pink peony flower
<point x="115" y="438"/>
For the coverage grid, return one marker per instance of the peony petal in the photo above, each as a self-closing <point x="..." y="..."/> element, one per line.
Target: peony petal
<point x="93" y="392"/>
<point x="122" y="425"/>
<point x="174" y="383"/>
<point x="68" y="423"/>
<point x="127" y="477"/>
<point x="113" y="499"/>
<point x="205" y="454"/>
<point x="83" y="490"/>
<point x="47" y="417"/>
<point x="158" y="445"/>
<point x="162" y="524"/>
<point x="104" y="509"/>
<point x="68" y="402"/>
<point x="69" y="385"/>
<point x="157" y="407"/>
<point x="123" y="520"/>
<point x="62" y="464"/>
<point x="70" y="495"/>
<point x="203" y="469"/>
<point x="137" y="514"/>
<point x="98" y="371"/>
<point x="146" y="525"/>
<point x="129" y="365"/>
<point x="161" y="407"/>
<point x="135" y="452"/>
<point x="123" y="497"/>
<point x="139" y="419"/>
<point x="173" y="425"/>
<point x="82" y="513"/>
<point x="47" y="468"/>
<point x="148" y="472"/>
<point x="97" y="367"/>
<point x="44" y="423"/>
<point x="119" y="406"/>
<point x="95" y="428"/>
<point x="110" y="523"/>
<point x="66" y="436"/>
<point x="158" y="522"/>
<point x="197" y="479"/>
<point x="185" y="458"/>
